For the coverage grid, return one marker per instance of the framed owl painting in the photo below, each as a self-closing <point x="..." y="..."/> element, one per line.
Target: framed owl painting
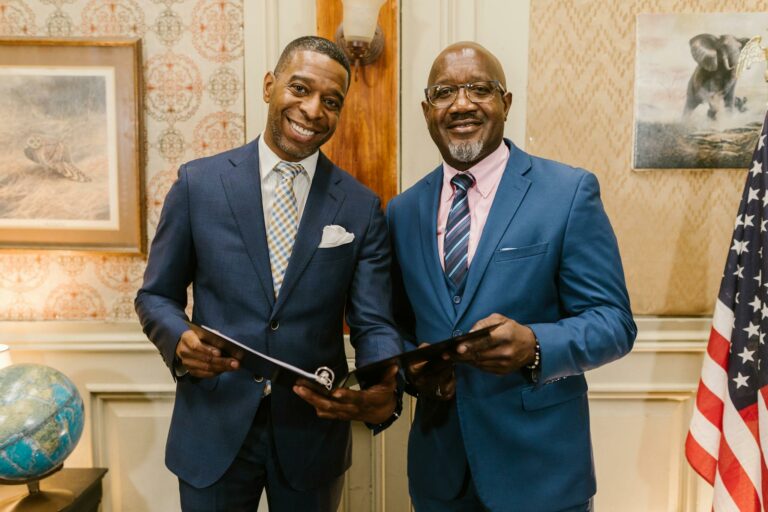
<point x="71" y="165"/>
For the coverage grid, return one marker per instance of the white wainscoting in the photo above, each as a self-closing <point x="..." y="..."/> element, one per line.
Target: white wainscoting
<point x="640" y="410"/>
<point x="129" y="427"/>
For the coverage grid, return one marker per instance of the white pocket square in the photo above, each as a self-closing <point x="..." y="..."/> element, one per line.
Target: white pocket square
<point x="334" y="236"/>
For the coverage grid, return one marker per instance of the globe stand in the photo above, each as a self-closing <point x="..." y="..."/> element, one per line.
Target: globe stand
<point x="37" y="500"/>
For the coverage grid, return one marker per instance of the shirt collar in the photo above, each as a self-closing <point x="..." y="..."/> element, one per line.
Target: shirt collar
<point x="268" y="160"/>
<point x="487" y="172"/>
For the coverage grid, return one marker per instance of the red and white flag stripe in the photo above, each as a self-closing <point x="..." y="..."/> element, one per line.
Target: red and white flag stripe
<point x="724" y="445"/>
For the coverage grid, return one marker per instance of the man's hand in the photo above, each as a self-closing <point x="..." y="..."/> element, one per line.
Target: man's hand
<point x="373" y="405"/>
<point x="506" y="349"/>
<point x="200" y="359"/>
<point x="433" y="378"/>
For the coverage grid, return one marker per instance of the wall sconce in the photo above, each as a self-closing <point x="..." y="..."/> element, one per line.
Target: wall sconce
<point x="359" y="36"/>
<point x="5" y="356"/>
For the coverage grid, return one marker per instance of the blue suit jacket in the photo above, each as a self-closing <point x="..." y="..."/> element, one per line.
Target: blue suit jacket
<point x="547" y="258"/>
<point x="212" y="234"/>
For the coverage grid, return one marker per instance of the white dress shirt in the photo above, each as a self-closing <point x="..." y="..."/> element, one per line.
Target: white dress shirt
<point x="269" y="179"/>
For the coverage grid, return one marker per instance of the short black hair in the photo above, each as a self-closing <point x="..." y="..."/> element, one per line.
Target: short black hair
<point x="313" y="44"/>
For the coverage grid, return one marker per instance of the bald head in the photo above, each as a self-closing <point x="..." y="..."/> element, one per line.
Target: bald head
<point x="461" y="52"/>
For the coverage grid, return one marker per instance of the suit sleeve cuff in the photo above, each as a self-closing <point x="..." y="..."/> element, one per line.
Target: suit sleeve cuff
<point x="179" y="370"/>
<point x="398" y="407"/>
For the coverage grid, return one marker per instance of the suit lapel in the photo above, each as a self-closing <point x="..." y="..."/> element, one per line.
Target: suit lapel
<point x="242" y="186"/>
<point x="509" y="194"/>
<point x="323" y="202"/>
<point x="428" y="206"/>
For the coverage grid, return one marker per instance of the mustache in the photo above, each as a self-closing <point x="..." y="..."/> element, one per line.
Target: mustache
<point x="463" y="116"/>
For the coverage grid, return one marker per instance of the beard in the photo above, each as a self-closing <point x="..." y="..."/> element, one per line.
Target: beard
<point x="466" y="152"/>
<point x="295" y="151"/>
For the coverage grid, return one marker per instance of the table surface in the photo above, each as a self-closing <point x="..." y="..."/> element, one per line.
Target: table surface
<point x="83" y="483"/>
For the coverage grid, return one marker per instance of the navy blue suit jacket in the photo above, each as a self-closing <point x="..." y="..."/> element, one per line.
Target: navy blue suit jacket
<point x="547" y="258"/>
<point x="212" y="234"/>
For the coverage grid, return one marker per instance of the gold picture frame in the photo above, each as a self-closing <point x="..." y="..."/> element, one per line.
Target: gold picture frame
<point x="71" y="159"/>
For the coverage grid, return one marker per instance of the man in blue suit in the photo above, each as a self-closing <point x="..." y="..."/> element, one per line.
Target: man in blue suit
<point x="497" y="236"/>
<point x="279" y="244"/>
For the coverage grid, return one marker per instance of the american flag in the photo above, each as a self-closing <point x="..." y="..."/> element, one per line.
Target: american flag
<point x="728" y="437"/>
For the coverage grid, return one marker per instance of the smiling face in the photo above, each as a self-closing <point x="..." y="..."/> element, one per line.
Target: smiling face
<point x="305" y="100"/>
<point x="467" y="132"/>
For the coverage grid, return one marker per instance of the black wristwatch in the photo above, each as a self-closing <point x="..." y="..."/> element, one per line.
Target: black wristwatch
<point x="395" y="415"/>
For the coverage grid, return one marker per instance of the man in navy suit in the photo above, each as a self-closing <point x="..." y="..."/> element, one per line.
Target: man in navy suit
<point x="279" y="244"/>
<point x="497" y="236"/>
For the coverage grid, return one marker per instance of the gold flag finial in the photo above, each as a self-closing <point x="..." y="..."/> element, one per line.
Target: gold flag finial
<point x="752" y="53"/>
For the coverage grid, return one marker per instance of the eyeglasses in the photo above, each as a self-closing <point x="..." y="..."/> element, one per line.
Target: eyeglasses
<point x="442" y="96"/>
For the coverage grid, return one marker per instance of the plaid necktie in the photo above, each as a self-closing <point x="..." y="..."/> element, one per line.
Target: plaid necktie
<point x="456" y="240"/>
<point x="284" y="223"/>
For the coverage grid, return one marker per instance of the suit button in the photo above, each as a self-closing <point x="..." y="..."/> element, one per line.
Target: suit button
<point x="457" y="299"/>
<point x="274" y="324"/>
<point x="258" y="378"/>
<point x="456" y="333"/>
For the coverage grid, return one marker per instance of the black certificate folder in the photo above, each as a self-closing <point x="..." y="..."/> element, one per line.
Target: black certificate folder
<point x="263" y="365"/>
<point x="324" y="379"/>
<point x="372" y="373"/>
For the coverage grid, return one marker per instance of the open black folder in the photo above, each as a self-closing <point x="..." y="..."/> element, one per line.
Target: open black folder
<point x="323" y="379"/>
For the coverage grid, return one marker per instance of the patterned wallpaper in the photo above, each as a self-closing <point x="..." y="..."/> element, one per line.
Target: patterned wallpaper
<point x="194" y="106"/>
<point x="674" y="227"/>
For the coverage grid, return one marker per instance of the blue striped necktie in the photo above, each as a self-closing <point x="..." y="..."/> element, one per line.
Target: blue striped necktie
<point x="284" y="223"/>
<point x="456" y="242"/>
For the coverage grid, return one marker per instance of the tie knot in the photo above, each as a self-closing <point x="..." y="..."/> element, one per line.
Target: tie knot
<point x="288" y="170"/>
<point x="463" y="181"/>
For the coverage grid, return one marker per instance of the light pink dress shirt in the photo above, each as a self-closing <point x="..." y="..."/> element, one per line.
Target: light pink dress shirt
<point x="488" y="173"/>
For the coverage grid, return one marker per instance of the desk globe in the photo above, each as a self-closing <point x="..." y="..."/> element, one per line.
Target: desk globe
<point x="41" y="420"/>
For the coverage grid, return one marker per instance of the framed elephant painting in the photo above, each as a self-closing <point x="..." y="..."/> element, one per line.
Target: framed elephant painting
<point x="70" y="139"/>
<point x="692" y="111"/>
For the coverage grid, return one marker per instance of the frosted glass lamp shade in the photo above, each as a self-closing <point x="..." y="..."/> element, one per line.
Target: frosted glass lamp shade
<point x="360" y="18"/>
<point x="5" y="356"/>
